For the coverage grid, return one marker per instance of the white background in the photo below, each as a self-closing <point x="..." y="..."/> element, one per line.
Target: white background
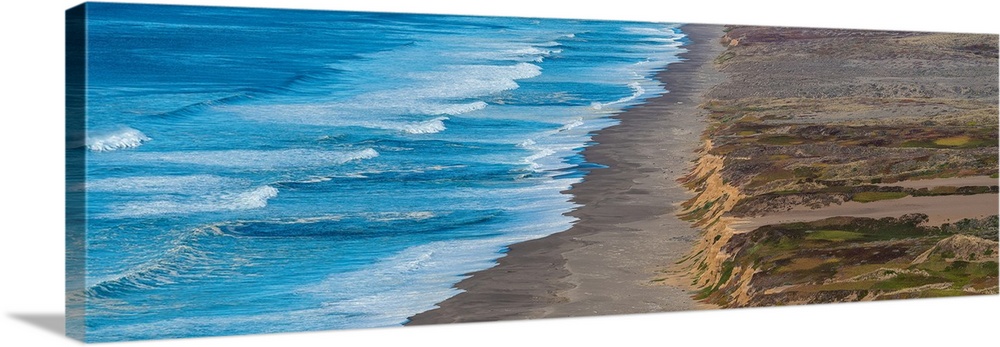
<point x="31" y="222"/>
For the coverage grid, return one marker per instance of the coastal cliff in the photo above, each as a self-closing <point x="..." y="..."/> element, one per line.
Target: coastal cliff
<point x="843" y="165"/>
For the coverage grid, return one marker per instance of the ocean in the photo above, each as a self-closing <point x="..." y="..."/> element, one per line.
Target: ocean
<point x="262" y="170"/>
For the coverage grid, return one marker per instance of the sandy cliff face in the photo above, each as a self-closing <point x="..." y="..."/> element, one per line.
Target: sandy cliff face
<point x="714" y="197"/>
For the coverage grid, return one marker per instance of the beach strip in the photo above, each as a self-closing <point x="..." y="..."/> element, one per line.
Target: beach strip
<point x="627" y="232"/>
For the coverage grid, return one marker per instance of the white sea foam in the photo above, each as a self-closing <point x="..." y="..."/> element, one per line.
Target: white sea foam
<point x="569" y="126"/>
<point x="665" y="31"/>
<point x="457" y="109"/>
<point x="161" y="184"/>
<point x="532" y="160"/>
<point x="175" y="262"/>
<point x="316" y="179"/>
<point x="444" y="91"/>
<point x="637" y="91"/>
<point x="539" y="153"/>
<point x="370" y="114"/>
<point x="426" y="127"/>
<point x="229" y="201"/>
<point x="397" y="216"/>
<point x="256" y="198"/>
<point x="466" y="81"/>
<point x="112" y="140"/>
<point x="413" y="280"/>
<point x="260" y="159"/>
<point x="523" y="52"/>
<point x="158" y="272"/>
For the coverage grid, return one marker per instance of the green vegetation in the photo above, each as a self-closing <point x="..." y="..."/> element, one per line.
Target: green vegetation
<point x="699" y="212"/>
<point x="771" y="176"/>
<point x="949" y="142"/>
<point x="942" y="293"/>
<point x="864" y="256"/>
<point x="953" y="141"/>
<point x="727" y="272"/>
<point x="834" y="235"/>
<point x="903" y="281"/>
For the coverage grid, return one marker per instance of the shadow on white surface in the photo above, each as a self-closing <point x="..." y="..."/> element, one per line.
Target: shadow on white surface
<point x="52" y="322"/>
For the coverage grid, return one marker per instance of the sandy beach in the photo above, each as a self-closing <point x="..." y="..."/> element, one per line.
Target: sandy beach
<point x="627" y="232"/>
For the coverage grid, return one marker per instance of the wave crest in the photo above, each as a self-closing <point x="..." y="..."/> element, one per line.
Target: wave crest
<point x="112" y="140"/>
<point x="431" y="126"/>
<point x="637" y="91"/>
<point x="426" y="127"/>
<point x="259" y="159"/>
<point x="457" y="109"/>
<point x="158" y="272"/>
<point x="245" y="200"/>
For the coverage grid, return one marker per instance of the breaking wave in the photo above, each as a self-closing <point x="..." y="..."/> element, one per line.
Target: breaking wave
<point x="122" y="138"/>
<point x="245" y="200"/>
<point x="260" y="159"/>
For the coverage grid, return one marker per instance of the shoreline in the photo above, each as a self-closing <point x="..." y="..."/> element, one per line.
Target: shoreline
<point x="627" y="230"/>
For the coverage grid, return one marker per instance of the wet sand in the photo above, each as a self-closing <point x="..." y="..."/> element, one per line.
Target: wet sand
<point x="627" y="230"/>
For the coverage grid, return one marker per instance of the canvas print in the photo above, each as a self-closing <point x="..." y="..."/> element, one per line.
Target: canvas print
<point x="241" y="170"/>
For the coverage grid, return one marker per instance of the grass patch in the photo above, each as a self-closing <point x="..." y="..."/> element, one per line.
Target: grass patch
<point x="834" y="235"/>
<point x="950" y="142"/>
<point x="953" y="141"/>
<point x="727" y="272"/>
<point x="918" y="143"/>
<point x="699" y="212"/>
<point x="877" y="196"/>
<point x="770" y="176"/>
<point x="961" y="273"/>
<point x="903" y="281"/>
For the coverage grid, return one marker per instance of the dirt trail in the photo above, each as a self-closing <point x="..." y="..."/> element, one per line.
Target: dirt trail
<point x="946" y="182"/>
<point x="939" y="209"/>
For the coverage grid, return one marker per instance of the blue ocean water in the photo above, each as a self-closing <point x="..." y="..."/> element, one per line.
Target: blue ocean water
<point x="258" y="170"/>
